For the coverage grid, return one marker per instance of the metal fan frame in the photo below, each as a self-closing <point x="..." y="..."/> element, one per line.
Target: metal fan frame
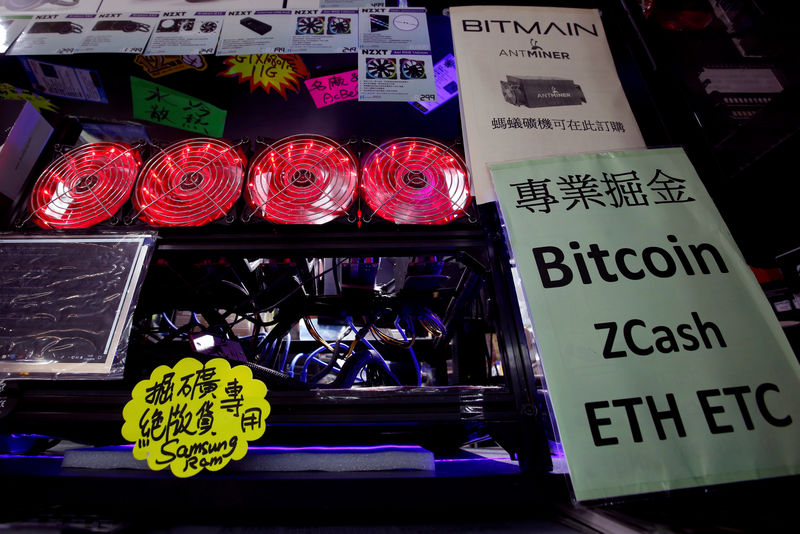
<point x="418" y="173"/>
<point x="258" y="196"/>
<point x="79" y="182"/>
<point x="163" y="163"/>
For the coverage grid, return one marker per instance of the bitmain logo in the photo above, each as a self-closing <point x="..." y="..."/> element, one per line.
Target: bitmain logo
<point x="567" y="29"/>
<point x="535" y="51"/>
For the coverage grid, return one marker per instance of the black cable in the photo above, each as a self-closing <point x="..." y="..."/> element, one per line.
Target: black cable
<point x="353" y="366"/>
<point x="275" y="379"/>
<point x="300" y="286"/>
<point x="336" y="279"/>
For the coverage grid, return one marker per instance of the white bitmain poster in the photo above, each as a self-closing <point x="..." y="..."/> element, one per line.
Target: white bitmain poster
<point x="534" y="82"/>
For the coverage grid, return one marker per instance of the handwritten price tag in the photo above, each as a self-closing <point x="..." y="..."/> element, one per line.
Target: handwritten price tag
<point x="328" y="90"/>
<point x="195" y="416"/>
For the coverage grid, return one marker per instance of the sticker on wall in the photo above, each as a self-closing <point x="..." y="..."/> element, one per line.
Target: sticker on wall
<point x="65" y="82"/>
<point x="277" y="72"/>
<point x="9" y="92"/>
<point x="156" y="103"/>
<point x="446" y="79"/>
<point x="195" y="416"/>
<point x="159" y="66"/>
<point x="327" y="90"/>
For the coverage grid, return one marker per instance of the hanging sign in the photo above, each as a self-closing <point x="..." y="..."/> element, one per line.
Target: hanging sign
<point x="185" y="32"/>
<point x="327" y="90"/>
<point x="665" y="366"/>
<point x="396" y="76"/>
<point x="124" y="32"/>
<point x="195" y="416"/>
<point x="157" y="103"/>
<point x="271" y="72"/>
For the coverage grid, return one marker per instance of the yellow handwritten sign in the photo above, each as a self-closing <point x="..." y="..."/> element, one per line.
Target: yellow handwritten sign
<point x="195" y="416"/>
<point x="277" y="72"/>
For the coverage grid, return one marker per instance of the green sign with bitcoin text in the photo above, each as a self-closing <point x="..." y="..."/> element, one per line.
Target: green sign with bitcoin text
<point x="665" y="365"/>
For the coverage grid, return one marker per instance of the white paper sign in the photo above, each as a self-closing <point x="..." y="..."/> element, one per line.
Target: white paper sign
<point x="533" y="82"/>
<point x="186" y="32"/>
<point x="52" y="35"/>
<point x="119" y="33"/>
<point x="393" y="28"/>
<point x="310" y="31"/>
<point x="10" y="28"/>
<point x="395" y="76"/>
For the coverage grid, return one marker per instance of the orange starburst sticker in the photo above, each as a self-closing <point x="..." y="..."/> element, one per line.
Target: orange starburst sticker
<point x="277" y="72"/>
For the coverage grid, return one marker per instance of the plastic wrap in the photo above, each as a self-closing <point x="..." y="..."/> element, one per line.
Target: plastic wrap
<point x="67" y="302"/>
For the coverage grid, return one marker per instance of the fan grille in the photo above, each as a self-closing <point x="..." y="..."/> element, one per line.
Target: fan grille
<point x="85" y="186"/>
<point x="304" y="179"/>
<point x="415" y="181"/>
<point x="190" y="183"/>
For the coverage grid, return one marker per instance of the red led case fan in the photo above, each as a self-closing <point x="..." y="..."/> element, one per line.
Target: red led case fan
<point x="304" y="179"/>
<point x="415" y="181"/>
<point x="85" y="186"/>
<point x="190" y="183"/>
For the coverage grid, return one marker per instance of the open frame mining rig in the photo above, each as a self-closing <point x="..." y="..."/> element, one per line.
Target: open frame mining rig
<point x="356" y="279"/>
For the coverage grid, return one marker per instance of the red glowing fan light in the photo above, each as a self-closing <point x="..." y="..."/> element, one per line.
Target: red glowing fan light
<point x="304" y="179"/>
<point x="85" y="186"/>
<point x="415" y="181"/>
<point x="190" y="183"/>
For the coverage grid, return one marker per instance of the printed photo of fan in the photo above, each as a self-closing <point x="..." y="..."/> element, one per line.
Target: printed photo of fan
<point x="415" y="181"/>
<point x="87" y="185"/>
<point x="310" y="25"/>
<point x="381" y="68"/>
<point x="190" y="183"/>
<point x="338" y="25"/>
<point x="513" y="93"/>
<point x="303" y="179"/>
<point x="412" y="69"/>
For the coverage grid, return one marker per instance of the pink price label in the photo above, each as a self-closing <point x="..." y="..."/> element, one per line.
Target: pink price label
<point x="327" y="90"/>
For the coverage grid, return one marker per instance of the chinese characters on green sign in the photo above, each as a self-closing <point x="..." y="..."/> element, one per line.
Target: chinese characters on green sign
<point x="665" y="365"/>
<point x="156" y="103"/>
